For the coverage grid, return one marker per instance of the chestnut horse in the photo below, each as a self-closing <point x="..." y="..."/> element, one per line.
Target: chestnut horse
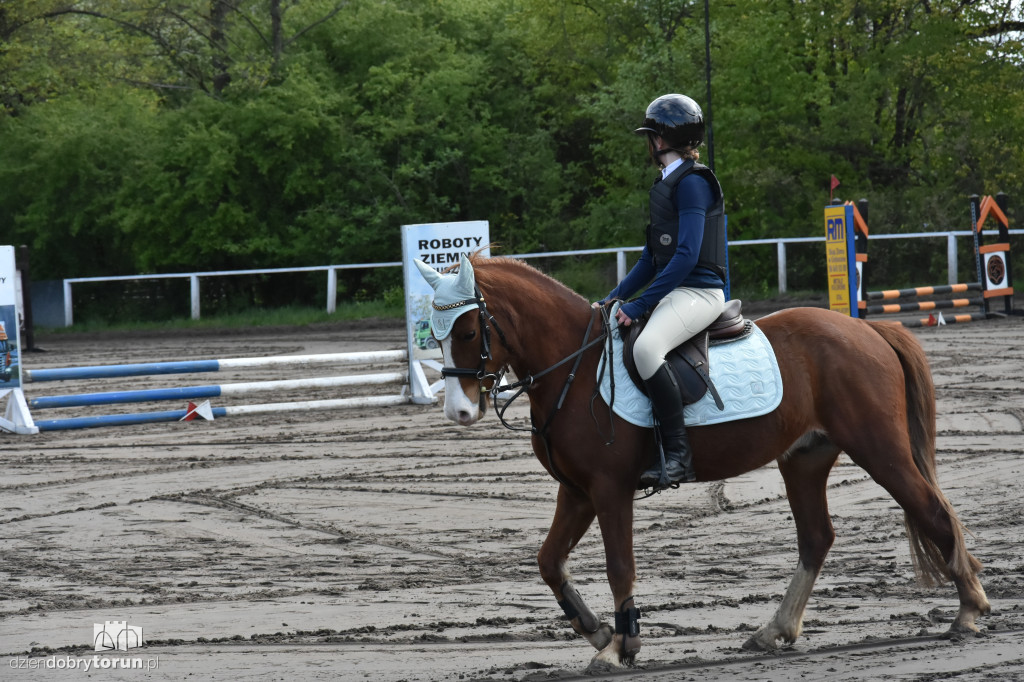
<point x="853" y="386"/>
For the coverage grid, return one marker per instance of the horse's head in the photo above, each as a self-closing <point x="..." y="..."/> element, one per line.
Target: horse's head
<point x="473" y="351"/>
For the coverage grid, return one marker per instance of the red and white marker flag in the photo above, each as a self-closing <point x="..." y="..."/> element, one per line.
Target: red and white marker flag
<point x="203" y="410"/>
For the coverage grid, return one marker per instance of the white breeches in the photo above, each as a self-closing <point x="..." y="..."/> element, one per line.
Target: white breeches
<point x="677" y="317"/>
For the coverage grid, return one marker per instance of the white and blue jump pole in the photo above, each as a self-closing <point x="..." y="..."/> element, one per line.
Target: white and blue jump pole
<point x="195" y="366"/>
<point x="210" y="391"/>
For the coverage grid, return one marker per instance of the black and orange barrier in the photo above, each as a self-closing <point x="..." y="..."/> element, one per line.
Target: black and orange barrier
<point x="992" y="264"/>
<point x="993" y="260"/>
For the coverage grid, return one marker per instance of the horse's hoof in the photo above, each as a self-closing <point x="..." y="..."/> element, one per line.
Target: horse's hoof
<point x="600" y="666"/>
<point x="961" y="631"/>
<point x="759" y="643"/>
<point x="611" y="658"/>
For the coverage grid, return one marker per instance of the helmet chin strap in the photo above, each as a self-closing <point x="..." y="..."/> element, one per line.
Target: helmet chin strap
<point x="655" y="152"/>
<point x="656" y="155"/>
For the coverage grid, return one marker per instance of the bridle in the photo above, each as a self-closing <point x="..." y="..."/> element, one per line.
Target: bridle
<point x="480" y="373"/>
<point x="523" y="385"/>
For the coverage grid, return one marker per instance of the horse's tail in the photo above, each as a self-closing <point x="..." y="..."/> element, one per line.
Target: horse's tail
<point x="929" y="564"/>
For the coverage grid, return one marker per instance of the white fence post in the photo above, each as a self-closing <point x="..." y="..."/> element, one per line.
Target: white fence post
<point x="780" y="249"/>
<point x="69" y="316"/>
<point x="194" y="287"/>
<point x="332" y="290"/>
<point x="952" y="265"/>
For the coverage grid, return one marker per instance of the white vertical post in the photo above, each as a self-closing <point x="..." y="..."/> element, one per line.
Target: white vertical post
<point x="951" y="258"/>
<point x="780" y="249"/>
<point x="620" y="266"/>
<point x="332" y="290"/>
<point x="69" y="318"/>
<point x="419" y="387"/>
<point x="194" y="290"/>
<point x="16" y="417"/>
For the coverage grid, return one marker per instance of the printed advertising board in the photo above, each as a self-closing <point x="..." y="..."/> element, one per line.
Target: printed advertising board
<point x="439" y="245"/>
<point x="840" y="260"/>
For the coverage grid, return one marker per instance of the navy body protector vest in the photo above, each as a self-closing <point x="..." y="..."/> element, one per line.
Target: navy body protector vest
<point x="663" y="230"/>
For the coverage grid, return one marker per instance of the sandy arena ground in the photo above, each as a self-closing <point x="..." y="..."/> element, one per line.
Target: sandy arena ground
<point x="388" y="544"/>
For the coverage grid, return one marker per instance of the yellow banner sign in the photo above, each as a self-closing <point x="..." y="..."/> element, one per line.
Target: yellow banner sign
<point x="837" y="258"/>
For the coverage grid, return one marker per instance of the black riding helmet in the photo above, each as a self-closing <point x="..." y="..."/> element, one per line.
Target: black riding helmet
<point x="677" y="119"/>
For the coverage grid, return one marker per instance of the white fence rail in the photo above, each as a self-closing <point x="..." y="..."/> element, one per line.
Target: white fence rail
<point x="620" y="254"/>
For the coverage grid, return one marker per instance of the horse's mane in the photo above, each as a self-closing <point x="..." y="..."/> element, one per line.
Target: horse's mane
<point x="497" y="271"/>
<point x="525" y="296"/>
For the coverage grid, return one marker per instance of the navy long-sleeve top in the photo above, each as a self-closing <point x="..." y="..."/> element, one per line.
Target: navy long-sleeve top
<point x="694" y="197"/>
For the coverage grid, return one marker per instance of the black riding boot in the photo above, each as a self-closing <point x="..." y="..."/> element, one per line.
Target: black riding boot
<point x="663" y="389"/>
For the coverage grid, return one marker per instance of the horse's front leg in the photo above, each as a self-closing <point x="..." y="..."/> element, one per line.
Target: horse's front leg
<point x="615" y="517"/>
<point x="573" y="516"/>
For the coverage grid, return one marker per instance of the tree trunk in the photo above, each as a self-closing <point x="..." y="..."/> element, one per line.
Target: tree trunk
<point x="218" y="21"/>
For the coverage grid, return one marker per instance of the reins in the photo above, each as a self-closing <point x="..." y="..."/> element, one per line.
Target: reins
<point x="526" y="383"/>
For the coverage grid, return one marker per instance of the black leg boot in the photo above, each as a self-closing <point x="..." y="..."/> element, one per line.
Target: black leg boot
<point x="663" y="389"/>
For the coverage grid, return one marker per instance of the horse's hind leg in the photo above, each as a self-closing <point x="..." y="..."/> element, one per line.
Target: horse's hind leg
<point x="936" y="539"/>
<point x="893" y="439"/>
<point x="805" y="470"/>
<point x="573" y="516"/>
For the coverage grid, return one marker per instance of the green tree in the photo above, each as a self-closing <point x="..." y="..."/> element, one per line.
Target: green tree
<point x="62" y="165"/>
<point x="205" y="134"/>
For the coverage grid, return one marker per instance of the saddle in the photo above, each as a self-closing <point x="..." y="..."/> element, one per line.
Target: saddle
<point x="690" y="360"/>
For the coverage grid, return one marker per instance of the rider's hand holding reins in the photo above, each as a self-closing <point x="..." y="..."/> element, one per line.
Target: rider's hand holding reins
<point x="622" y="317"/>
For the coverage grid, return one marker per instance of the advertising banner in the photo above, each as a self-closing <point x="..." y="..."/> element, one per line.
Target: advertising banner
<point x="439" y="245"/>
<point x="840" y="260"/>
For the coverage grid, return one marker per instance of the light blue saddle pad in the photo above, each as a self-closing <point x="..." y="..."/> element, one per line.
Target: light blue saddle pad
<point x="745" y="373"/>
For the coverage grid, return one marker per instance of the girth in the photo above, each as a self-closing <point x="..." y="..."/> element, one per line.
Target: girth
<point x="690" y="360"/>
